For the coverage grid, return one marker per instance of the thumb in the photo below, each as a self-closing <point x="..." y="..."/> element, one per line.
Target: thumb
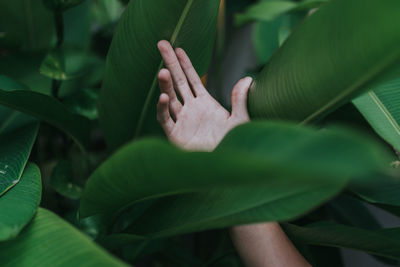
<point x="239" y="99"/>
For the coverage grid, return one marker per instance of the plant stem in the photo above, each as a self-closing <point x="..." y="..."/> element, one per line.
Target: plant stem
<point x="59" y="22"/>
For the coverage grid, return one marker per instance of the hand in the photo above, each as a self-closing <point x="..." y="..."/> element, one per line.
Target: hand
<point x="198" y="122"/>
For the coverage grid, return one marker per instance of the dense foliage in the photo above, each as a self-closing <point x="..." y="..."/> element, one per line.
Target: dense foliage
<point x="79" y="137"/>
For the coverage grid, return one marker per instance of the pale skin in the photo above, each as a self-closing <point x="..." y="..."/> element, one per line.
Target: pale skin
<point x="198" y="122"/>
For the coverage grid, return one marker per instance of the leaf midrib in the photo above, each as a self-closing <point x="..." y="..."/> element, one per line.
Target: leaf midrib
<point x="150" y="95"/>
<point x="385" y="112"/>
<point x="379" y="68"/>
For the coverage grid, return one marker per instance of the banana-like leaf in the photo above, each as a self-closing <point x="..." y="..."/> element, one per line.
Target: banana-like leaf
<point x="381" y="107"/>
<point x="270" y="10"/>
<point x="25" y="24"/>
<point x="15" y="148"/>
<point x="383" y="242"/>
<point x="50" y="241"/>
<point x="130" y="88"/>
<point x="257" y="154"/>
<point x="328" y="60"/>
<point x="45" y="108"/>
<point x="20" y="203"/>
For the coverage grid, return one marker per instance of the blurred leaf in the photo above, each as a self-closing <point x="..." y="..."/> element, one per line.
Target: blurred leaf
<point x="270" y="10"/>
<point x="83" y="102"/>
<point x="50" y="241"/>
<point x="130" y="88"/>
<point x="300" y="82"/>
<point x="61" y="5"/>
<point x="15" y="147"/>
<point x="256" y="163"/>
<point x="26" y="24"/>
<point x="47" y="109"/>
<point x="351" y="211"/>
<point x="53" y="66"/>
<point x="105" y="12"/>
<point x="65" y="64"/>
<point x="381" y="106"/>
<point x="62" y="181"/>
<point x="383" y="242"/>
<point x="19" y="204"/>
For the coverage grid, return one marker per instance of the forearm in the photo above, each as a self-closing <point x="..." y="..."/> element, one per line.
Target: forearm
<point x="265" y="245"/>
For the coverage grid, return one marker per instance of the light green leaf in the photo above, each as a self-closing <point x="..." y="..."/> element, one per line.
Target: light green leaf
<point x="265" y="154"/>
<point x="381" y="107"/>
<point x="384" y="242"/>
<point x="300" y="82"/>
<point x="20" y="203"/>
<point x="26" y="24"/>
<point x="130" y="89"/>
<point x="48" y="109"/>
<point x="50" y="241"/>
<point x="15" y="148"/>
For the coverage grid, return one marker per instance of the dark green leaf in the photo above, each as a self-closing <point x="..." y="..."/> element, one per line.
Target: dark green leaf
<point x="300" y="82"/>
<point x="378" y="242"/>
<point x="20" y="203"/>
<point x="62" y="181"/>
<point x="50" y="241"/>
<point x="130" y="89"/>
<point x="25" y="24"/>
<point x="271" y="155"/>
<point x="15" y="149"/>
<point x="61" y="5"/>
<point x="270" y="10"/>
<point x="47" y="109"/>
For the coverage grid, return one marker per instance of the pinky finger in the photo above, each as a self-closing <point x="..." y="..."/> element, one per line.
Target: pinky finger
<point x="163" y="116"/>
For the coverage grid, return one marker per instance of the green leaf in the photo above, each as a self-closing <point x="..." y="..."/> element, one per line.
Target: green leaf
<point x="300" y="82"/>
<point x="62" y="181"/>
<point x="20" y="203"/>
<point x="25" y="24"/>
<point x="130" y="89"/>
<point x="47" y="109"/>
<point x="50" y="241"/>
<point x="83" y="102"/>
<point x="267" y="154"/>
<point x="381" y="107"/>
<point x="270" y="10"/>
<point x="61" y="5"/>
<point x="377" y="242"/>
<point x="15" y="147"/>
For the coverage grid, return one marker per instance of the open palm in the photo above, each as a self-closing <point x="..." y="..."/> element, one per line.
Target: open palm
<point x="198" y="122"/>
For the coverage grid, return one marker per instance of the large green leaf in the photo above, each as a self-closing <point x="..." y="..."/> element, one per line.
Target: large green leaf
<point x="285" y="157"/>
<point x="20" y="203"/>
<point x="15" y="148"/>
<point x="25" y="24"/>
<point x="45" y="108"/>
<point x="384" y="242"/>
<point x="381" y="107"/>
<point x="130" y="88"/>
<point x="328" y="60"/>
<point x="50" y="241"/>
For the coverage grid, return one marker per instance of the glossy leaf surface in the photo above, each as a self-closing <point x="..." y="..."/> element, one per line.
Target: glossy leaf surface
<point x="130" y="88"/>
<point x="300" y="82"/>
<point x="261" y="154"/>
<point x="381" y="107"/>
<point x="50" y="241"/>
<point x="20" y="203"/>
<point x="15" y="147"/>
